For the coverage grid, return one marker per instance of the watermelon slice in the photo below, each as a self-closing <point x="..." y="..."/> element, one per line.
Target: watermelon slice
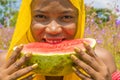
<point x="54" y="59"/>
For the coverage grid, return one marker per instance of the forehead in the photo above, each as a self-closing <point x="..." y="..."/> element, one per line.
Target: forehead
<point x="52" y="4"/>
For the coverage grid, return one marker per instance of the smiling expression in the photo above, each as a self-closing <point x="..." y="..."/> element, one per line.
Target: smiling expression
<point x="53" y="20"/>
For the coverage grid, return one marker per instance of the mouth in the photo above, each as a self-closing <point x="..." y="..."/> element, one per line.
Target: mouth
<point x="53" y="40"/>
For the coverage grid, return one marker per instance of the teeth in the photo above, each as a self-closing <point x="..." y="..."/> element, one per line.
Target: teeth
<point x="53" y="41"/>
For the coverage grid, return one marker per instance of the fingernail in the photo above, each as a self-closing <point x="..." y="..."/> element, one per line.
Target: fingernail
<point x="77" y="49"/>
<point x="20" y="46"/>
<point x="73" y="57"/>
<point x="28" y="54"/>
<point x="85" y="43"/>
<point x="74" y="68"/>
<point x="15" y="48"/>
<point x="34" y="66"/>
<point x="33" y="75"/>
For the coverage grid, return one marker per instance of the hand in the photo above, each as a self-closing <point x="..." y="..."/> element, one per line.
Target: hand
<point x="13" y="68"/>
<point x="91" y="64"/>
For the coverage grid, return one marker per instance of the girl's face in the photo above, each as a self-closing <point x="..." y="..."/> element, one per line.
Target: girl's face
<point x="53" y="20"/>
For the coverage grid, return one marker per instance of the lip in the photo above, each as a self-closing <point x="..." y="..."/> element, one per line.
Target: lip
<point x="54" y="40"/>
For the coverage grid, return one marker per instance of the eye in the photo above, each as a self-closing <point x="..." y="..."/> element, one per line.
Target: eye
<point x="40" y="17"/>
<point x="67" y="18"/>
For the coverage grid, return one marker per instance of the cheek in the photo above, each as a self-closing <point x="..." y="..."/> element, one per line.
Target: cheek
<point x="71" y="29"/>
<point x="36" y="29"/>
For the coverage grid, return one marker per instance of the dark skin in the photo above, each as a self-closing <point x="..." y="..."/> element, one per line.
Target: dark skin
<point x="12" y="69"/>
<point x="90" y="61"/>
<point x="4" y="70"/>
<point x="55" y="25"/>
<point x="49" y="23"/>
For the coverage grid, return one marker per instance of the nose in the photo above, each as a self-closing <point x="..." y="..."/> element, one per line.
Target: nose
<point x="53" y="28"/>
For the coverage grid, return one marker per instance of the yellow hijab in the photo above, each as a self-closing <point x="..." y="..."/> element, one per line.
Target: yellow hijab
<point x="22" y="34"/>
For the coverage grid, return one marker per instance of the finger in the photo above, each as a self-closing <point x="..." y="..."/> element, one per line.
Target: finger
<point x="17" y="65"/>
<point x="14" y="56"/>
<point x="87" y="59"/>
<point x="92" y="53"/>
<point x="89" y="50"/>
<point x="30" y="77"/>
<point x="22" y="72"/>
<point x="84" y="66"/>
<point x="80" y="74"/>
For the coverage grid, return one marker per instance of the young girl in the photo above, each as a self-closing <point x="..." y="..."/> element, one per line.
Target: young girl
<point x="53" y="21"/>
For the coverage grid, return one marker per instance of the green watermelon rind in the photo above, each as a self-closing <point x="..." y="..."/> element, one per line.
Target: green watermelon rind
<point x="59" y="64"/>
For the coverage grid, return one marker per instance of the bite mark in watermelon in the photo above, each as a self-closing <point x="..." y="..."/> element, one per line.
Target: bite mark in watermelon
<point x="54" y="59"/>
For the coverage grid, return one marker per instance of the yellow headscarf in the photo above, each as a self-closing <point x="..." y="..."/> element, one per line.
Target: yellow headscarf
<point x="22" y="34"/>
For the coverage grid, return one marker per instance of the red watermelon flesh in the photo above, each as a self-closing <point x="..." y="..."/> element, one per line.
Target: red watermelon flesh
<point x="54" y="59"/>
<point x="63" y="47"/>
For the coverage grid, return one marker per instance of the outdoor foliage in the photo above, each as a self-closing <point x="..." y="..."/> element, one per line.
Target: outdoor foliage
<point x="106" y="32"/>
<point x="8" y="9"/>
<point x="101" y="24"/>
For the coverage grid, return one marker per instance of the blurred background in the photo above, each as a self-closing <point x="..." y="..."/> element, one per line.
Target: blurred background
<point x="102" y="23"/>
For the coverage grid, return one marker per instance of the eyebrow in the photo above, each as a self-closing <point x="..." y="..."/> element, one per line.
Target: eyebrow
<point x="63" y="12"/>
<point x="67" y="12"/>
<point x="39" y="11"/>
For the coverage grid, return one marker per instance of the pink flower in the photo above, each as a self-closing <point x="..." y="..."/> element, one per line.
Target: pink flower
<point x="1" y="25"/>
<point x="117" y="22"/>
